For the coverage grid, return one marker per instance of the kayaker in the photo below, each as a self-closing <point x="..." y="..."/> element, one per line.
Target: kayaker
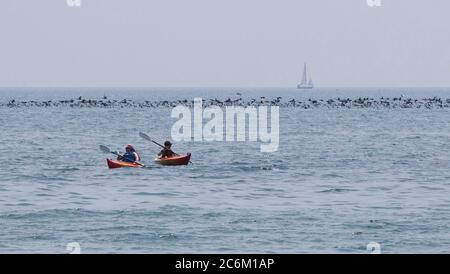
<point x="166" y="152"/>
<point x="130" y="155"/>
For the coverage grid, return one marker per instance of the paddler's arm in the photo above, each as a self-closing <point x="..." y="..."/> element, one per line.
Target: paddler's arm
<point x="121" y="158"/>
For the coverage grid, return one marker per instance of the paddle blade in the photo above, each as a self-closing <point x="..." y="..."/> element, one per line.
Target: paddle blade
<point x="105" y="149"/>
<point x="145" y="136"/>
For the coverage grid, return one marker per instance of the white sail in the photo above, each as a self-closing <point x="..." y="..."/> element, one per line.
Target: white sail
<point x="304" y="84"/>
<point x="304" y="77"/>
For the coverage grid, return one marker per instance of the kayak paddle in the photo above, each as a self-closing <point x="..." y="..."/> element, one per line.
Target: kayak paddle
<point x="106" y="149"/>
<point x="148" y="138"/>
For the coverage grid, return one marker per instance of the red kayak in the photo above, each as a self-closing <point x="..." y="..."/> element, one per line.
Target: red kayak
<point x="117" y="164"/>
<point x="179" y="160"/>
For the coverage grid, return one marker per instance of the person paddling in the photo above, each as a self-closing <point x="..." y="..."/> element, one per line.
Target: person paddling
<point x="166" y="152"/>
<point x="130" y="155"/>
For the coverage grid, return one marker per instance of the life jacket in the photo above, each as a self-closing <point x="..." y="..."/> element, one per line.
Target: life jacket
<point x="131" y="157"/>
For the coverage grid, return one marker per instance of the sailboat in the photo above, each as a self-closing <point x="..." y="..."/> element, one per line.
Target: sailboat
<point x="304" y="84"/>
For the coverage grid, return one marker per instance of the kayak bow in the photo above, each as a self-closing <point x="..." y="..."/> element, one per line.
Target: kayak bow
<point x="118" y="164"/>
<point x="178" y="160"/>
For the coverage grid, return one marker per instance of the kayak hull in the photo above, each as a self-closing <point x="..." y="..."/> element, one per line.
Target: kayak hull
<point x="118" y="164"/>
<point x="181" y="160"/>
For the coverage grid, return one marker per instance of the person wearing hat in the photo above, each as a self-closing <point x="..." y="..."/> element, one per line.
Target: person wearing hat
<point x="166" y="152"/>
<point x="130" y="155"/>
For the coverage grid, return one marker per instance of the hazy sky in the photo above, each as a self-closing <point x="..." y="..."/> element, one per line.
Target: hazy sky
<point x="246" y="43"/>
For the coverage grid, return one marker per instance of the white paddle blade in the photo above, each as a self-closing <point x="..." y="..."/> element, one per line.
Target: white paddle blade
<point x="105" y="149"/>
<point x="145" y="136"/>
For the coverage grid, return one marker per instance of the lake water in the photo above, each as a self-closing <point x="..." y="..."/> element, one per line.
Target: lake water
<point x="341" y="178"/>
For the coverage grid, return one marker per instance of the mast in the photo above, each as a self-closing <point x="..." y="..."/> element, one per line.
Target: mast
<point x="304" y="77"/>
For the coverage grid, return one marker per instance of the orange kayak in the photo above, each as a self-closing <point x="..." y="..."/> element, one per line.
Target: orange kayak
<point x="174" y="161"/>
<point x="117" y="164"/>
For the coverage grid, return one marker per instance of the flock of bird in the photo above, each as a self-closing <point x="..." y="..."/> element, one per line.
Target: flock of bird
<point x="394" y="102"/>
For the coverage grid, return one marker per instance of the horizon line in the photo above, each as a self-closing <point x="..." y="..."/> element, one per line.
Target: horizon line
<point x="219" y="87"/>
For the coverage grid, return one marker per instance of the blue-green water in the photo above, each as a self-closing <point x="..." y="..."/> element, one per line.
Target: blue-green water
<point x="341" y="178"/>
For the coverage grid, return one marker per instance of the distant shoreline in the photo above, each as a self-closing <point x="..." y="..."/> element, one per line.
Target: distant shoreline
<point x="366" y="102"/>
